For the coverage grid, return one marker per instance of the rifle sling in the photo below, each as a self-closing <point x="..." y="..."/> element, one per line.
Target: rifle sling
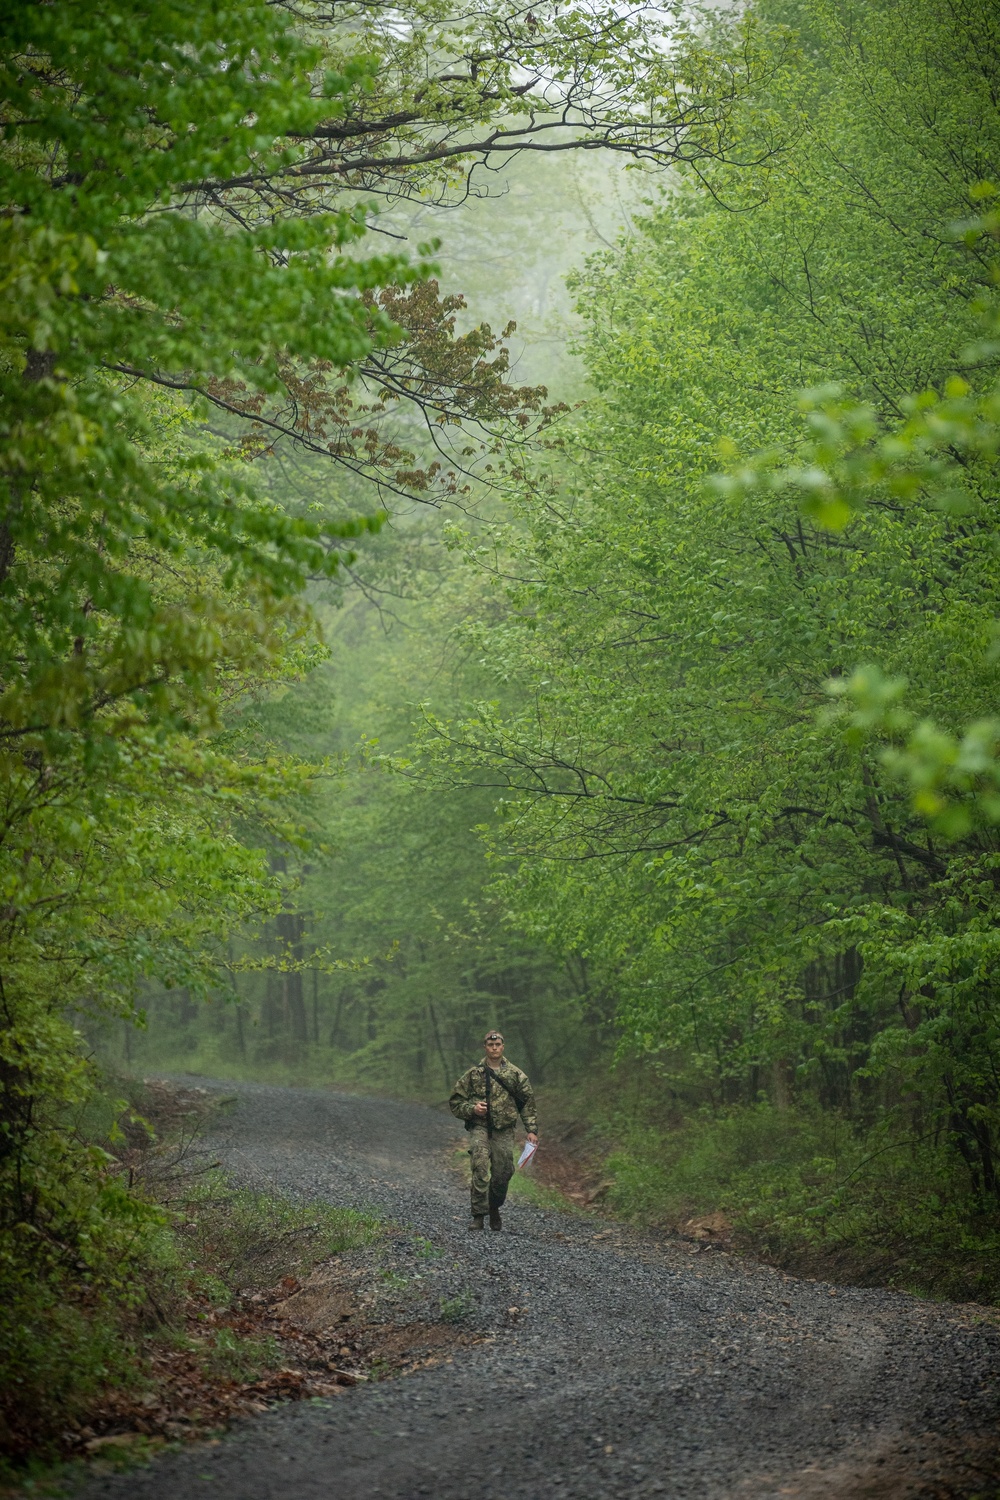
<point x="509" y="1088"/>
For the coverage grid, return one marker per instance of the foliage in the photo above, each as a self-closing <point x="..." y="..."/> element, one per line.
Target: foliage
<point x="142" y="584"/>
<point x="742" y="868"/>
<point x="112" y="278"/>
<point x="803" y="1189"/>
<point x="59" y="1350"/>
<point x="395" y="875"/>
<point x="212" y="388"/>
<point x="454" y="1309"/>
<point x="161" y="1236"/>
<point x="934" y="454"/>
<point x="188" y="294"/>
<point x="314" y="113"/>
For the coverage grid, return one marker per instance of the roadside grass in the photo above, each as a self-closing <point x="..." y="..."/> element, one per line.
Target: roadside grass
<point x="454" y="1309"/>
<point x="801" y="1189"/>
<point x="311" y="1065"/>
<point x="55" y="1479"/>
<point x="805" y="1192"/>
<point x="168" y="1325"/>
<point x="526" y="1188"/>
<point x="237" y="1240"/>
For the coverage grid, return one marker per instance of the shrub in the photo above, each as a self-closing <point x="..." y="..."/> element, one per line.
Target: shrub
<point x="811" y="1193"/>
<point x="117" y="1234"/>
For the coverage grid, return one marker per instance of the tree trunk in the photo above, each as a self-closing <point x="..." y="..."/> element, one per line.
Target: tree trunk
<point x="290" y="926"/>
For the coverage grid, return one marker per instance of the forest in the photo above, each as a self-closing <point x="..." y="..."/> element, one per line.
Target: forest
<point x="495" y="530"/>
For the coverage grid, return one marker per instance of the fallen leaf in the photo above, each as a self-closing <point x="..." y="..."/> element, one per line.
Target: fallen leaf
<point x="112" y="1440"/>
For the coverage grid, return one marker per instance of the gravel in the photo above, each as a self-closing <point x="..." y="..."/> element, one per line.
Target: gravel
<point x="631" y="1367"/>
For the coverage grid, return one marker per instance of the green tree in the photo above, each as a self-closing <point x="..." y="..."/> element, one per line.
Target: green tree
<point x="394" y="879"/>
<point x="141" y="583"/>
<point x="187" y="289"/>
<point x="756" y="886"/>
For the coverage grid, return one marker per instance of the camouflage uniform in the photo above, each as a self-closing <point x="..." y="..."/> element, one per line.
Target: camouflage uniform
<point x="492" y="1152"/>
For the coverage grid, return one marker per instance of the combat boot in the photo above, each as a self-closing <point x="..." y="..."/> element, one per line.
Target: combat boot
<point x="477" y="1221"/>
<point x="495" y="1220"/>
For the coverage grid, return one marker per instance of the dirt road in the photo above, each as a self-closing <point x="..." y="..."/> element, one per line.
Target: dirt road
<point x="607" y="1364"/>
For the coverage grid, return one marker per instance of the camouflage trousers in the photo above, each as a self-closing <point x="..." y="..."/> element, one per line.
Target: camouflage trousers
<point x="492" y="1159"/>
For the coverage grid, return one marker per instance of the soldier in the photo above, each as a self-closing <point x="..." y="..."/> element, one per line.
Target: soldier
<point x="489" y="1098"/>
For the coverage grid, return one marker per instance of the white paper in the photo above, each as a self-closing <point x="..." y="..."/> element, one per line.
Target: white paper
<point x="526" y="1154"/>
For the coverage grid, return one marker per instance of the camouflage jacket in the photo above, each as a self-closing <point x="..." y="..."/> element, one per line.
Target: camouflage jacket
<point x="471" y="1087"/>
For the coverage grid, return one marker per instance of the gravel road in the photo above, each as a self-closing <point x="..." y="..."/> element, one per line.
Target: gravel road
<point x="629" y="1368"/>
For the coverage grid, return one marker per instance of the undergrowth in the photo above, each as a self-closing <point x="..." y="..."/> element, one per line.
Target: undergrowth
<point x="809" y="1193"/>
<point x="158" y="1244"/>
<point x="528" y="1189"/>
<point x="206" y="1055"/>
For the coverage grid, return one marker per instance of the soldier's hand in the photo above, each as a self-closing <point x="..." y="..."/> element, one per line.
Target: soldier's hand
<point x="532" y="1138"/>
<point x="480" y="1107"/>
